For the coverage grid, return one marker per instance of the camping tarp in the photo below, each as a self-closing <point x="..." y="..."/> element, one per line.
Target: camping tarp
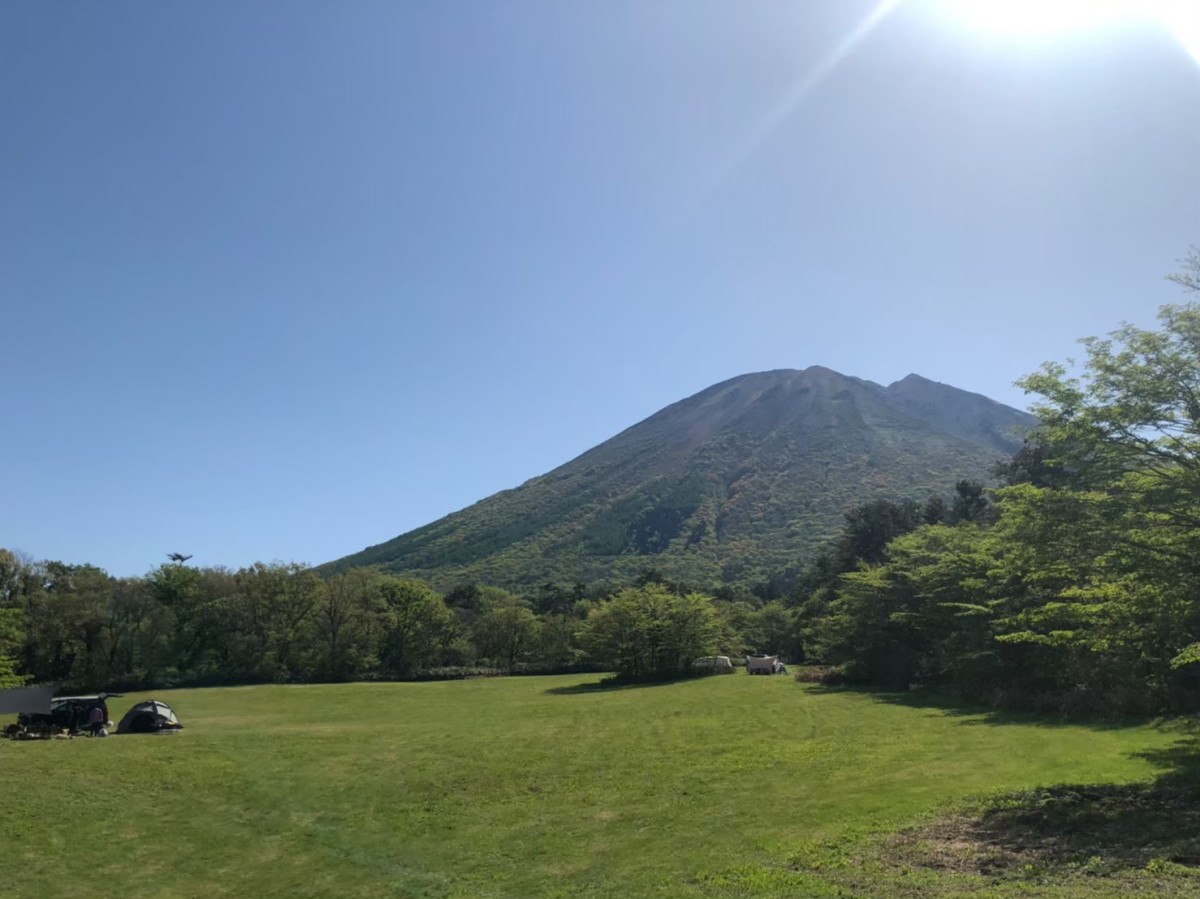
<point x="761" y="663"/>
<point x="26" y="701"/>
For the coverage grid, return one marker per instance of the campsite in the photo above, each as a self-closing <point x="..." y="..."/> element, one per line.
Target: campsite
<point x="552" y="786"/>
<point x="550" y="450"/>
<point x="42" y="715"/>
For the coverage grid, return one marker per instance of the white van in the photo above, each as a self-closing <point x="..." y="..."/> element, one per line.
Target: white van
<point x="713" y="665"/>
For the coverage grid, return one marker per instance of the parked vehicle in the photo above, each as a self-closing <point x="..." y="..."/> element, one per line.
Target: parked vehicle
<point x="713" y="665"/>
<point x="764" y="664"/>
<point x="71" y="713"/>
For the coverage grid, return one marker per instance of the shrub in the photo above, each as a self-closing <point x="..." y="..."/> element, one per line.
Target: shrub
<point x="825" y="675"/>
<point x="453" y="672"/>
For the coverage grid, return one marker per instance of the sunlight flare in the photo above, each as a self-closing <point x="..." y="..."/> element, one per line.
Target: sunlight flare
<point x="1047" y="18"/>
<point x="802" y="87"/>
<point x="1183" y="18"/>
<point x="1040" y="17"/>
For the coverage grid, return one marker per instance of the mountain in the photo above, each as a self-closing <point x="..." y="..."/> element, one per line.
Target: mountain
<point x="738" y="481"/>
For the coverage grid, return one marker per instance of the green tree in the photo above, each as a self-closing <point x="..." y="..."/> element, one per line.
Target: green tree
<point x="1098" y="592"/>
<point x="14" y="581"/>
<point x="11" y="637"/>
<point x="506" y="631"/>
<point x="1134" y="408"/>
<point x="649" y="632"/>
<point x="922" y="615"/>
<point x="343" y="623"/>
<point x="1126" y="430"/>
<point x="970" y="502"/>
<point x="774" y="629"/>
<point x="174" y="588"/>
<point x="271" y="620"/>
<point x="419" y="631"/>
<point x="142" y="651"/>
<point x="66" y="615"/>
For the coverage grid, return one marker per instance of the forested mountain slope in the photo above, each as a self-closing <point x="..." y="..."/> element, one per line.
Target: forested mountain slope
<point x="742" y="479"/>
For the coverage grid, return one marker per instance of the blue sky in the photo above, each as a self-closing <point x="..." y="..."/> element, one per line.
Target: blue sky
<point x="282" y="280"/>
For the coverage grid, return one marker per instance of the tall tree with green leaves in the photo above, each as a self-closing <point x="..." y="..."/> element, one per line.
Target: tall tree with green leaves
<point x="506" y="631"/>
<point x="11" y="637"/>
<point x="1127" y="430"/>
<point x="271" y="613"/>
<point x="350" y="620"/>
<point x="12" y="618"/>
<point x="650" y="632"/>
<point x="922" y="615"/>
<point x="419" y="630"/>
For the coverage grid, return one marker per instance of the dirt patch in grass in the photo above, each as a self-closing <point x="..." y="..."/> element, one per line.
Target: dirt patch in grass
<point x="1094" y="829"/>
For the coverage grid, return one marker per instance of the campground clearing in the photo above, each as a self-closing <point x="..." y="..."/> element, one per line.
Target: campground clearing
<point x="548" y="787"/>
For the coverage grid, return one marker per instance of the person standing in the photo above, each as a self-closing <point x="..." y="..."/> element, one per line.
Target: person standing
<point x="96" y="720"/>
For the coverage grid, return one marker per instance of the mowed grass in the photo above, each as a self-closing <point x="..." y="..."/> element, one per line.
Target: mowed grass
<point x="524" y="787"/>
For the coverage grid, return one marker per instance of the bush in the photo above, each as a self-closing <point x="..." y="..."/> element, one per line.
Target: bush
<point x="541" y="668"/>
<point x="453" y="672"/>
<point x="825" y="675"/>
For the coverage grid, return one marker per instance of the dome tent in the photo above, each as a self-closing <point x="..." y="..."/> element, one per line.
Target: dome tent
<point x="150" y="717"/>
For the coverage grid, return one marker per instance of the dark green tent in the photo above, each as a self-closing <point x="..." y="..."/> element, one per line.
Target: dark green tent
<point x="149" y="717"/>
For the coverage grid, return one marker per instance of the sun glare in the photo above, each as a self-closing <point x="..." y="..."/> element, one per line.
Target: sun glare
<point x="1043" y="18"/>
<point x="1040" y="17"/>
<point x="1183" y="18"/>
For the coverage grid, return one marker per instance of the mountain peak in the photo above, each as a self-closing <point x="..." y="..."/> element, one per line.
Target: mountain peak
<point x="740" y="480"/>
<point x="959" y="412"/>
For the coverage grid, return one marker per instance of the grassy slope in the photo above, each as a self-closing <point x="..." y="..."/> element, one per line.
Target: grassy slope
<point x="730" y="786"/>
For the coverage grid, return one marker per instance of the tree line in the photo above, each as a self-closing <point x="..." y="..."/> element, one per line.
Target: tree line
<point x="77" y="626"/>
<point x="1074" y="584"/>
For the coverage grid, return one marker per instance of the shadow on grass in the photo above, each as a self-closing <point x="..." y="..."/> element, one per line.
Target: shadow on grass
<point x="1065" y="829"/>
<point x="1095" y="829"/>
<point x="609" y="685"/>
<point x="978" y="715"/>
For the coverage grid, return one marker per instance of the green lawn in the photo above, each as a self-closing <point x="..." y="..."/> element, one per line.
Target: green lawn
<point x="522" y="787"/>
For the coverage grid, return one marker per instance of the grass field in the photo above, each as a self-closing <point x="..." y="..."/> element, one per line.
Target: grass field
<point x="723" y="787"/>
